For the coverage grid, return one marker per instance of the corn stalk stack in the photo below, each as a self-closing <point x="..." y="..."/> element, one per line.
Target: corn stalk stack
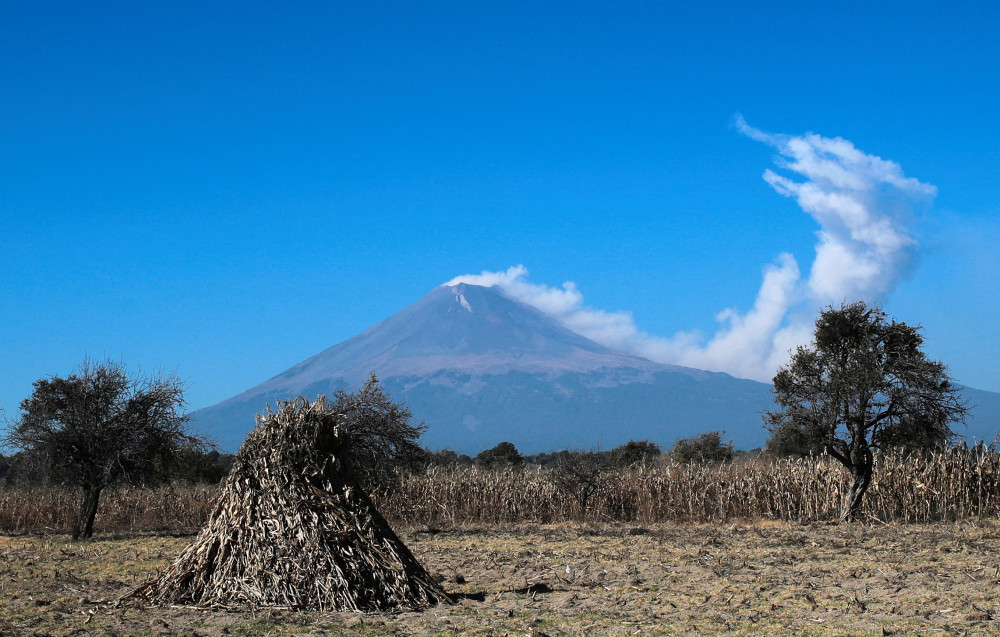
<point x="291" y="529"/>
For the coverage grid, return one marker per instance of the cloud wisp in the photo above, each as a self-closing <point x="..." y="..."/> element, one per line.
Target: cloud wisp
<point x="864" y="207"/>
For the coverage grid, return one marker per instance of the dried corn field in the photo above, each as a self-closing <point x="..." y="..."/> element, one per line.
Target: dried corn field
<point x="959" y="484"/>
<point x="168" y="510"/>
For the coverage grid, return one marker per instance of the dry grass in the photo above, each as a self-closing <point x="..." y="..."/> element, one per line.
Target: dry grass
<point x="761" y="578"/>
<point x="957" y="485"/>
<point x="172" y="509"/>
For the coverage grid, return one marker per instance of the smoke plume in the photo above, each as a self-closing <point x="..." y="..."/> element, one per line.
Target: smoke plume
<point x="863" y="206"/>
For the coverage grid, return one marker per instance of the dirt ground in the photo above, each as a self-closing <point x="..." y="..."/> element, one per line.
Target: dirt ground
<point x="740" y="579"/>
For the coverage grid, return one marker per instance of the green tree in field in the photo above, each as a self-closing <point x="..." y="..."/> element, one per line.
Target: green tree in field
<point x="99" y="427"/>
<point x="635" y="452"/>
<point x="448" y="458"/>
<point x="196" y="466"/>
<point x="504" y="454"/>
<point x="704" y="448"/>
<point x="864" y="384"/>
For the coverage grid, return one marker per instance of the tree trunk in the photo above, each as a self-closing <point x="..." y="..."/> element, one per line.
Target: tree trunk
<point x="84" y="527"/>
<point x="862" y="478"/>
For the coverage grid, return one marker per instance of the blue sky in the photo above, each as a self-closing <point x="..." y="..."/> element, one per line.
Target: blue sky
<point x="222" y="191"/>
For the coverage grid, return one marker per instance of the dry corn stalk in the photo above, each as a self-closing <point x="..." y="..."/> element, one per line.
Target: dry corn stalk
<point x="292" y="529"/>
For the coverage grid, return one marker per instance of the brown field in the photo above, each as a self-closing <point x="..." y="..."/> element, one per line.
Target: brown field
<point x="760" y="578"/>
<point x="744" y="549"/>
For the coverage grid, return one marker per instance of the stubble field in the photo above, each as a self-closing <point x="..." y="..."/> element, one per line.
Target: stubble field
<point x="759" y="578"/>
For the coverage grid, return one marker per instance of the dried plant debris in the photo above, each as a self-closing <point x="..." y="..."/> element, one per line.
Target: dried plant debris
<point x="292" y="529"/>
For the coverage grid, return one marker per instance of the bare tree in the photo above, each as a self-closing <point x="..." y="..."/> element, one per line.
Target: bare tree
<point x="381" y="434"/>
<point x="100" y="426"/>
<point x="579" y="474"/>
<point x="865" y="384"/>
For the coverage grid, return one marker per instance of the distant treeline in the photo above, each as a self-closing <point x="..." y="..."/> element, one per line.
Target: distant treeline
<point x="191" y="467"/>
<point x="195" y="466"/>
<point x="703" y="448"/>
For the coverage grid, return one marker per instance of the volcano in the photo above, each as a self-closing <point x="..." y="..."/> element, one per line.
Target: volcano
<point x="479" y="367"/>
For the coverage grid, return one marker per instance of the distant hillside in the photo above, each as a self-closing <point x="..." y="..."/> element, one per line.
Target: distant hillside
<point x="983" y="423"/>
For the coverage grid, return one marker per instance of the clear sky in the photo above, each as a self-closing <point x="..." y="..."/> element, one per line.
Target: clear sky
<point x="223" y="189"/>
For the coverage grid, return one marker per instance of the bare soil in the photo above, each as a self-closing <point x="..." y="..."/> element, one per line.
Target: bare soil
<point x="741" y="579"/>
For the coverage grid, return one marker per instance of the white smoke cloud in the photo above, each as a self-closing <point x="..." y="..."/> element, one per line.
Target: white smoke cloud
<point x="863" y="205"/>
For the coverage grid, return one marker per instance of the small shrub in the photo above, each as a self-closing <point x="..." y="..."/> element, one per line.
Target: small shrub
<point x="704" y="448"/>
